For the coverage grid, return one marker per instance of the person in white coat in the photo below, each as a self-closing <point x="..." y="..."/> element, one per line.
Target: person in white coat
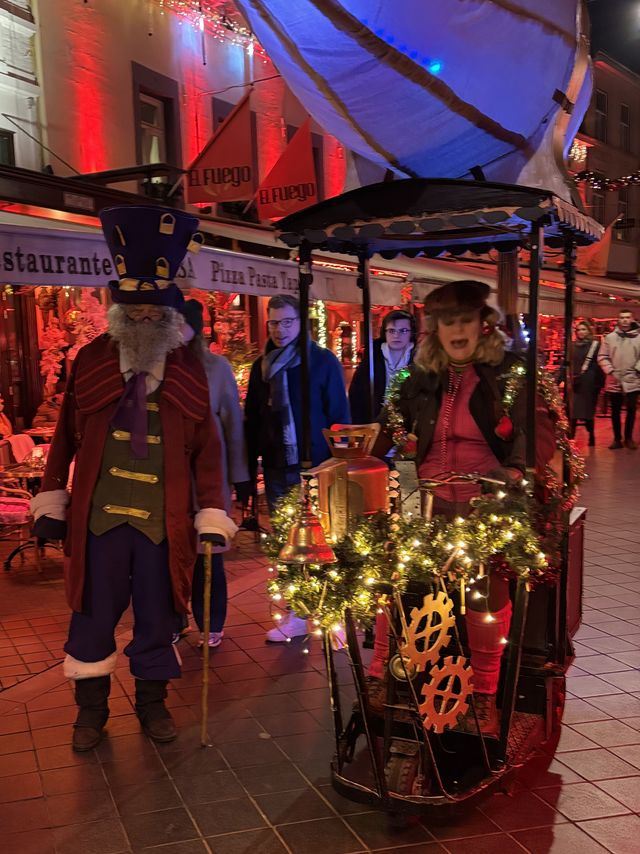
<point x="229" y="418"/>
<point x="619" y="358"/>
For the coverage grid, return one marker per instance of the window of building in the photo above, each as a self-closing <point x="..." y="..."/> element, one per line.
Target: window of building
<point x="602" y="108"/>
<point x="625" y="232"/>
<point x="625" y="127"/>
<point x="7" y="150"/>
<point x="157" y="123"/>
<point x="153" y="140"/>
<point x="598" y="205"/>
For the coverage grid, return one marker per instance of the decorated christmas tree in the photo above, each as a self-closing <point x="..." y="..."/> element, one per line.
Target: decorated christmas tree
<point x="53" y="343"/>
<point x="90" y="321"/>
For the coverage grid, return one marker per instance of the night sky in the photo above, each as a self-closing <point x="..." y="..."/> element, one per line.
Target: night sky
<point x="615" y="28"/>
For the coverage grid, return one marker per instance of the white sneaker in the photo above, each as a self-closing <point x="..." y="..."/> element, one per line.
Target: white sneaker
<point x="290" y="627"/>
<point x="215" y="639"/>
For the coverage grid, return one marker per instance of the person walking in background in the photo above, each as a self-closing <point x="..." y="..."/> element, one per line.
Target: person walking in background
<point x="273" y="414"/>
<point x="228" y="418"/>
<point x="588" y="378"/>
<point x="619" y="358"/>
<point x="391" y="352"/>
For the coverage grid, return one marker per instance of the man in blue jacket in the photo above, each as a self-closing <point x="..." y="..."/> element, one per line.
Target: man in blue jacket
<point x="273" y="412"/>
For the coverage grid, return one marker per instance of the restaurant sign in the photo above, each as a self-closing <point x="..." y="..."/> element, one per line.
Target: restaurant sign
<point x="61" y="257"/>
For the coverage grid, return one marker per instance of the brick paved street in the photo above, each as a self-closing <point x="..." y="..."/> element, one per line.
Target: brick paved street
<point x="263" y="786"/>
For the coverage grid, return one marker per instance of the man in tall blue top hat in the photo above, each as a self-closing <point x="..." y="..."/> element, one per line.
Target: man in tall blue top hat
<point x="137" y="419"/>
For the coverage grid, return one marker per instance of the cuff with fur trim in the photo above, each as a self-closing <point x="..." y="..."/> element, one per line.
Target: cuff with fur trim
<point x="211" y="520"/>
<point x="52" y="503"/>
<point x="74" y="669"/>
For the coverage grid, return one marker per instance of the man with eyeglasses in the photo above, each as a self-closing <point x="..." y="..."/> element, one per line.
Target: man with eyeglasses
<point x="273" y="413"/>
<point x="391" y="352"/>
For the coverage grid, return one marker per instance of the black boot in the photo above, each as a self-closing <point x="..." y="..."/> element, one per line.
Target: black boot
<point x="590" y="429"/>
<point x="91" y="696"/>
<point x="572" y="428"/>
<point x="151" y="710"/>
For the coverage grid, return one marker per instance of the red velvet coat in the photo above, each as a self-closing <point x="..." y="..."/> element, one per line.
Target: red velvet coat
<point x="192" y="455"/>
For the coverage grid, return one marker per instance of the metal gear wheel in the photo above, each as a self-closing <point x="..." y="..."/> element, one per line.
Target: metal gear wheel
<point x="446" y="694"/>
<point x="428" y="630"/>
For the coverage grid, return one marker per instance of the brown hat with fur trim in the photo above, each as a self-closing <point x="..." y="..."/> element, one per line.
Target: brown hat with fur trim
<point x="457" y="298"/>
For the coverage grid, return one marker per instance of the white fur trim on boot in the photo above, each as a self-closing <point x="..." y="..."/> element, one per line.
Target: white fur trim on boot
<point x="74" y="669"/>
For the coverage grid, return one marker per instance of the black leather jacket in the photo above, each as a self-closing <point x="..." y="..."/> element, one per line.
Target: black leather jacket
<point x="421" y="397"/>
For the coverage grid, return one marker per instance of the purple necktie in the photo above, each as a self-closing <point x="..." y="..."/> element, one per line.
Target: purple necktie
<point x="131" y="414"/>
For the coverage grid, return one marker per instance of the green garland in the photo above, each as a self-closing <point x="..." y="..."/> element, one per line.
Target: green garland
<point x="385" y="552"/>
<point x="516" y="532"/>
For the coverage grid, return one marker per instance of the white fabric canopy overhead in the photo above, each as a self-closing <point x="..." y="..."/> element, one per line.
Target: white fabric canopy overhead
<point x="431" y="88"/>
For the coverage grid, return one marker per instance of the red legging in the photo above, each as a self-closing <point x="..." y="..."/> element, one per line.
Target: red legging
<point x="486" y="638"/>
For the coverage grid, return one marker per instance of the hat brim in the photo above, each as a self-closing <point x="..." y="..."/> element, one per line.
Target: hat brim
<point x="170" y="297"/>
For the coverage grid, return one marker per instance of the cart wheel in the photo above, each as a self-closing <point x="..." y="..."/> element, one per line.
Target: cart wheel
<point x="401" y="770"/>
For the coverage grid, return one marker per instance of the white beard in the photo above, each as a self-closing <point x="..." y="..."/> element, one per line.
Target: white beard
<point x="145" y="343"/>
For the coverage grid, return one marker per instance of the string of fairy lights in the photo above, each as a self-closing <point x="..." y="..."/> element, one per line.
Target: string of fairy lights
<point x="514" y="532"/>
<point x="211" y="17"/>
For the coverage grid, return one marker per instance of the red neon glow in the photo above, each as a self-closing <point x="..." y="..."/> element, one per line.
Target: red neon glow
<point x="88" y="86"/>
<point x="335" y="166"/>
<point x="50" y="213"/>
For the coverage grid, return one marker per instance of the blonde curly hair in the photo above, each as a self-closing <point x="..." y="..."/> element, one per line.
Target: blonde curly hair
<point x="432" y="357"/>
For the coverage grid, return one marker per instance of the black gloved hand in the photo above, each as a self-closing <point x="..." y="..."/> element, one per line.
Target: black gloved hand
<point x="46" y="528"/>
<point x="510" y="477"/>
<point x="244" y="490"/>
<point x="214" y="539"/>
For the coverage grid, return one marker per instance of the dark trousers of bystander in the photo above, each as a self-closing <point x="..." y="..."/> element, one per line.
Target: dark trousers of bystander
<point x="218" y="601"/>
<point x="277" y="482"/>
<point x="616" y="399"/>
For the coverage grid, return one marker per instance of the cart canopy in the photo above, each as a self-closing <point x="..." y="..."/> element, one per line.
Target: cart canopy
<point x="420" y="216"/>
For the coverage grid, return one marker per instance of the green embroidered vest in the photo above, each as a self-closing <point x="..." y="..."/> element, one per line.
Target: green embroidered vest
<point x="130" y="490"/>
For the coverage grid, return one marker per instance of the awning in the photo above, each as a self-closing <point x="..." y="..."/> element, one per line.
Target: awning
<point x="43" y="252"/>
<point x="424" y="216"/>
<point x="56" y="252"/>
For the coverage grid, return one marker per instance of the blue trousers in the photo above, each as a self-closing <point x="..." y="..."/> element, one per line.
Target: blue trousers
<point x="218" y="601"/>
<point x="277" y="482"/>
<point x="123" y="565"/>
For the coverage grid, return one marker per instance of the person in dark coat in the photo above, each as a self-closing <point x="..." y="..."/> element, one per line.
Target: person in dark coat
<point x="273" y="414"/>
<point x="391" y="352"/>
<point x="588" y="378"/>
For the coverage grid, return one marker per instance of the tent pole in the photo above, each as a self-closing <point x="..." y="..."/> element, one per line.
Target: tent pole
<point x="562" y="641"/>
<point x="305" y="278"/>
<point x="535" y="262"/>
<point x="363" y="283"/>
<point x="569" y="298"/>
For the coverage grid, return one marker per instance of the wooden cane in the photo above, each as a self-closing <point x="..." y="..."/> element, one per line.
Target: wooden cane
<point x="204" y="708"/>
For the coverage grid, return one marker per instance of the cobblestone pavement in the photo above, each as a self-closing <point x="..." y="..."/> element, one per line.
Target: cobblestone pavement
<point x="263" y="787"/>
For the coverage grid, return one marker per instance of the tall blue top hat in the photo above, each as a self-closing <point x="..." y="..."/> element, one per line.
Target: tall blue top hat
<point x="147" y="245"/>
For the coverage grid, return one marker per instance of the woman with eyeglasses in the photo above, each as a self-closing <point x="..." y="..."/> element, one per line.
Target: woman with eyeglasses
<point x="391" y="352"/>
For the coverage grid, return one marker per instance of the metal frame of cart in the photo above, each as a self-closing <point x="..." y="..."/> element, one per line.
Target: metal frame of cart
<point x="432" y="217"/>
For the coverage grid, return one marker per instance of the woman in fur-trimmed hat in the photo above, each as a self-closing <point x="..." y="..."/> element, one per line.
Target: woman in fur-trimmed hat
<point x="453" y="403"/>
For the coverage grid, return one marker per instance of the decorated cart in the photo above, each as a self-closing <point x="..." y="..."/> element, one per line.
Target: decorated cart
<point x="358" y="544"/>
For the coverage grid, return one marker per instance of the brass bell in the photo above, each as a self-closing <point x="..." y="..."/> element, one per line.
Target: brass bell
<point x="306" y="542"/>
